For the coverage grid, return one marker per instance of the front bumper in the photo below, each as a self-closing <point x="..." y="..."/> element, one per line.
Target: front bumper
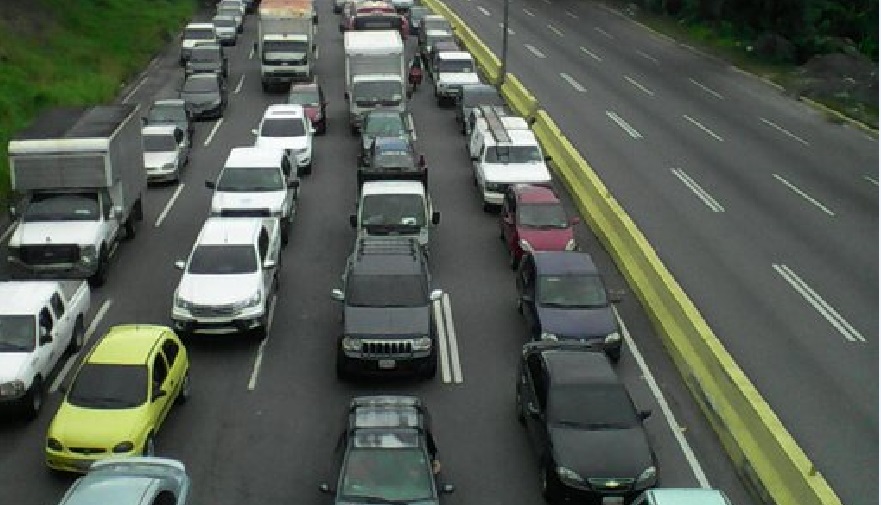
<point x="207" y="112"/>
<point x="240" y="321"/>
<point x="162" y="174"/>
<point x="66" y="460"/>
<point x="75" y="270"/>
<point x="286" y="74"/>
<point x="383" y="365"/>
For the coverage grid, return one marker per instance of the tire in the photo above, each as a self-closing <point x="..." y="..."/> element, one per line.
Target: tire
<point x="78" y="337"/>
<point x="184" y="394"/>
<point x="519" y="305"/>
<point x="512" y="259"/>
<point x="487" y="207"/>
<point x="285" y="232"/>
<point x="308" y="169"/>
<point x="138" y="210"/>
<point x="341" y="373"/>
<point x="130" y="231"/>
<point x="100" y="276"/>
<point x="149" y="446"/>
<point x="614" y="356"/>
<point x="33" y="400"/>
<point x="549" y="487"/>
<point x="265" y="87"/>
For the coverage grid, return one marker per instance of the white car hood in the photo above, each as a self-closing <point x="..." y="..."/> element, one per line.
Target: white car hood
<point x="158" y="159"/>
<point x="516" y="172"/>
<point x="12" y="364"/>
<point x="282" y="142"/>
<point x="458" y="78"/>
<point x="56" y="232"/>
<point x="214" y="290"/>
<point x="272" y="200"/>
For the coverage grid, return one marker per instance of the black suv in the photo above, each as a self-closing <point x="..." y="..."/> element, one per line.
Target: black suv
<point x="387" y="310"/>
<point x="583" y="425"/>
<point x="392" y="158"/>
<point x="386" y="454"/>
<point x="207" y="58"/>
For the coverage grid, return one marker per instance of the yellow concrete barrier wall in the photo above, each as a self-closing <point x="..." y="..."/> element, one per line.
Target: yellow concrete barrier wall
<point x="764" y="452"/>
<point x="518" y="97"/>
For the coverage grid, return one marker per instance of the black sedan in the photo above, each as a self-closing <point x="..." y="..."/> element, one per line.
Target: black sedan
<point x="590" y="438"/>
<point x="205" y="95"/>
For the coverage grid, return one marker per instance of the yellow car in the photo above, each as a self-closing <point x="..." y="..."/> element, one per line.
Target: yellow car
<point x="119" y="397"/>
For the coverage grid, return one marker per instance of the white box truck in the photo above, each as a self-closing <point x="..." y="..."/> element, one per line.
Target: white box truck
<point x="375" y="73"/>
<point x="80" y="173"/>
<point x="286" y="41"/>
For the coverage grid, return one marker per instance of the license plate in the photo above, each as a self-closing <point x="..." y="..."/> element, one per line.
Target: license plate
<point x="613" y="500"/>
<point x="386" y="364"/>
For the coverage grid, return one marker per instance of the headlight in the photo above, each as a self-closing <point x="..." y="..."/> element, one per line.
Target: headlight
<point x="422" y="344"/>
<point x="54" y="444"/>
<point x="571" y="245"/>
<point x="168" y="166"/>
<point x="123" y="447"/>
<point x="612" y="338"/>
<point x="546" y="335"/>
<point x="88" y="251"/>
<point x="254" y="300"/>
<point x="351" y="344"/>
<point x="12" y="389"/>
<point x="525" y="245"/>
<point x="182" y="304"/>
<point x="567" y="475"/>
<point x="647" y="475"/>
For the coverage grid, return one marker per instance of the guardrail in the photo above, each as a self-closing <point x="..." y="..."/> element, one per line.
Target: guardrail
<point x="766" y="456"/>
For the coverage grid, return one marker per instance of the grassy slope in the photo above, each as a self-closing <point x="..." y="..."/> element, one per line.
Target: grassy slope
<point x="63" y="52"/>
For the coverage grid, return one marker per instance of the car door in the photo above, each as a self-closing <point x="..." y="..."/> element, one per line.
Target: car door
<point x="63" y="327"/>
<point x="507" y="217"/>
<point x="535" y="402"/>
<point x="161" y="388"/>
<point x="176" y="359"/>
<point x="528" y="294"/>
<point x="47" y="349"/>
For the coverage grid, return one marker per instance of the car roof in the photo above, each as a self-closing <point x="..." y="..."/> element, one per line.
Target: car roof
<point x="564" y="263"/>
<point x="455" y="55"/>
<point x="254" y="157"/>
<point x="284" y="110"/>
<point x="199" y="25"/>
<point x="230" y="230"/>
<point x="392" y="188"/>
<point x="306" y="86"/>
<point x="126" y="344"/>
<point x="169" y="102"/>
<point x="436" y="32"/>
<point x="164" y="129"/>
<point x="532" y="193"/>
<point x="687" y="496"/>
<point x="116" y="489"/>
<point x="214" y="76"/>
<point x="24" y="297"/>
<point x="388" y="255"/>
<point x="577" y="366"/>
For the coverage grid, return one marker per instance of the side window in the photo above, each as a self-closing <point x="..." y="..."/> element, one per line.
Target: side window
<point x="170" y="349"/>
<point x="160" y="371"/>
<point x="164" y="498"/>
<point x="45" y="320"/>
<point x="57" y="305"/>
<point x="536" y="374"/>
<point x="263" y="244"/>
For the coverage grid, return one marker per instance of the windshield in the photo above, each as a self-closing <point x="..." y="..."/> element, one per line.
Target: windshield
<point x="17" y="333"/>
<point x="455" y="66"/>
<point x="250" y="179"/>
<point x="209" y="55"/>
<point x="387" y="93"/>
<point x="63" y="207"/>
<point x="223" y="260"/>
<point x="391" y="474"/>
<point x="386" y="291"/>
<point x="200" y="85"/>
<point x="377" y="22"/>
<point x="512" y="154"/>
<point x="284" y="46"/>
<point x="542" y="215"/>
<point x="166" y="114"/>
<point x="225" y="23"/>
<point x="595" y="406"/>
<point x="199" y="34"/>
<point x="229" y="11"/>
<point x="384" y="125"/>
<point x="393" y="210"/>
<point x="303" y="98"/>
<point x="283" y="127"/>
<point x="159" y="143"/>
<point x="575" y="291"/>
<point x="105" y="386"/>
<point x="475" y="98"/>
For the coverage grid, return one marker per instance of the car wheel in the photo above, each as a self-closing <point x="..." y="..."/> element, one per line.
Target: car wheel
<point x="512" y="259"/>
<point x="130" y="231"/>
<point x="100" y="276"/>
<point x="77" y="338"/>
<point x="184" y="394"/>
<point x="149" y="446"/>
<point x="614" y="355"/>
<point x="519" y="305"/>
<point x="285" y="232"/>
<point x="34" y="398"/>
<point x="308" y="169"/>
<point x="431" y="369"/>
<point x="549" y="488"/>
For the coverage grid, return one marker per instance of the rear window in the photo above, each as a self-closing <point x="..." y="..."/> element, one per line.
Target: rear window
<point x="283" y="127"/>
<point x="199" y="33"/>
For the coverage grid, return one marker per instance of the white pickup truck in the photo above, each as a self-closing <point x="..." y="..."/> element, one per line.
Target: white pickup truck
<point x="40" y="321"/>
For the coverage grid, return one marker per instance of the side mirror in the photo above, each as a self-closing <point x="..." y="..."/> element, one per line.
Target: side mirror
<point x="526" y="297"/>
<point x="118" y="212"/>
<point x="45" y="335"/>
<point x="210" y="184"/>
<point x="269" y="264"/>
<point x="337" y="294"/>
<point x="353" y="220"/>
<point x="574" y="220"/>
<point x="13" y="212"/>
<point x="474" y="158"/>
<point x="532" y="410"/>
<point x="644" y="414"/>
<point x="447" y="488"/>
<point x="325" y="488"/>
<point x="436" y="294"/>
<point x="548" y="158"/>
<point x="422" y="161"/>
<point x="435" y="217"/>
<point x="159" y="394"/>
<point x="255" y="131"/>
<point x="180" y="264"/>
<point x="294" y="184"/>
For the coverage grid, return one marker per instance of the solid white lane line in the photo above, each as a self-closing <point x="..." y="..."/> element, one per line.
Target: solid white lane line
<point x="510" y="31"/>
<point x="572" y="82"/>
<point x="86" y="336"/>
<point x="819" y="304"/>
<point x="589" y="53"/>
<point x="604" y="32"/>
<point x="14" y="224"/>
<point x="534" y="51"/>
<point x="866" y="177"/>
<point x="443" y="351"/>
<point x="135" y="89"/>
<point x="639" y="86"/>
<point x="453" y="343"/>
<point x="706" y="88"/>
<point x="648" y="57"/>
<point x="700" y="192"/>
<point x="572" y="15"/>
<point x="239" y="86"/>
<point x="624" y="125"/>
<point x="677" y="430"/>
<point x="704" y="128"/>
<point x="556" y="30"/>
<point x="804" y="195"/>
<point x="158" y="223"/>
<point x="483" y="11"/>
<point x="784" y="131"/>
<point x="213" y="131"/>
<point x="528" y="13"/>
<point x="258" y="361"/>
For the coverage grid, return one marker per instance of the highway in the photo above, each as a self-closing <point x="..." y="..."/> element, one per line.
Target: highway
<point x="764" y="211"/>
<point x="262" y="421"/>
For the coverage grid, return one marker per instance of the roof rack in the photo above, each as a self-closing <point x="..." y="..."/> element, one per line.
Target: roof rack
<point x="388" y="245"/>
<point x="495" y="125"/>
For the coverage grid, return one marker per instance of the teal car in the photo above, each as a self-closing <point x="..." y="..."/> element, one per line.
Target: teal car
<point x="131" y="481"/>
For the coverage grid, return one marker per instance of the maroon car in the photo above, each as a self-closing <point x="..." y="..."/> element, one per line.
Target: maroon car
<point x="311" y="97"/>
<point x="532" y="219"/>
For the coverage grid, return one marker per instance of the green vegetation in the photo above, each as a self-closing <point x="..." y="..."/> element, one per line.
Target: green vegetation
<point x="58" y="52"/>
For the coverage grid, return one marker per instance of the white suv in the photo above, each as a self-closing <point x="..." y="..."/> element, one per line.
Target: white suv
<point x="230" y="277"/>
<point x="196" y="33"/>
<point x="288" y="127"/>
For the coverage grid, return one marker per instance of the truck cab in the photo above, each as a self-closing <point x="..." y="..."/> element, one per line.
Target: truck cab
<point x="395" y="208"/>
<point x="452" y="70"/>
<point x="195" y="33"/>
<point x="504" y="151"/>
<point x="286" y="42"/>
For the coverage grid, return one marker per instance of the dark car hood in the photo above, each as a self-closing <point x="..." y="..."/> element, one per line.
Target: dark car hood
<point x="577" y="322"/>
<point x="200" y="99"/>
<point x="545" y="239"/>
<point x="387" y="321"/>
<point x="203" y="66"/>
<point x="612" y="453"/>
